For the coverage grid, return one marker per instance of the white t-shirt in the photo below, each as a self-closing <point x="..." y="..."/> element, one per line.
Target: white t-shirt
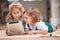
<point x="39" y="25"/>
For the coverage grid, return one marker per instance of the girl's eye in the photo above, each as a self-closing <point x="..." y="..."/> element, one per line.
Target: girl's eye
<point x="17" y="12"/>
<point x="26" y="18"/>
<point x="14" y="13"/>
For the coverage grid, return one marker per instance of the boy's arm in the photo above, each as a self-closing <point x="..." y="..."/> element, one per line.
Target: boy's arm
<point x="36" y="32"/>
<point x="29" y="32"/>
<point x="39" y="32"/>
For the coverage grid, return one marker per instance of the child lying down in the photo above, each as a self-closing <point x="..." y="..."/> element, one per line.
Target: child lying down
<point x="34" y="23"/>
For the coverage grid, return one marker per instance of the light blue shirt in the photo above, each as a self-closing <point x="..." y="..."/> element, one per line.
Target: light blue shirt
<point x="32" y="28"/>
<point x="39" y="25"/>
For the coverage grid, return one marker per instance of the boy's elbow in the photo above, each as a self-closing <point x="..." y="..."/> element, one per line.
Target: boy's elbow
<point x="45" y="32"/>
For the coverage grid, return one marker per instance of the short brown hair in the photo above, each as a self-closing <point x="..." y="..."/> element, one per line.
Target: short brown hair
<point x="34" y="13"/>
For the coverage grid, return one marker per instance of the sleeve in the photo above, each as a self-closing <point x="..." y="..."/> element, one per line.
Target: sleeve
<point x="42" y="26"/>
<point x="10" y="20"/>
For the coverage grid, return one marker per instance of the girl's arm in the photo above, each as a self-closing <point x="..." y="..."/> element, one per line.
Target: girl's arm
<point x="10" y="33"/>
<point x="21" y="33"/>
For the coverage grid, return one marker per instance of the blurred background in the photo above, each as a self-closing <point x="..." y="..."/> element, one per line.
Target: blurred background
<point x="50" y="10"/>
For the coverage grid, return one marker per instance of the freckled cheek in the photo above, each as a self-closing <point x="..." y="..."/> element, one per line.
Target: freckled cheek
<point x="14" y="15"/>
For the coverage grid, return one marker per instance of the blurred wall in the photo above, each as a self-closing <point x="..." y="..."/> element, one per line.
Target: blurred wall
<point x="55" y="19"/>
<point x="42" y="5"/>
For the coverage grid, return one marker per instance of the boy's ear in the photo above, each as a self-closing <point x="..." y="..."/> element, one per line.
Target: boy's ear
<point x="34" y="19"/>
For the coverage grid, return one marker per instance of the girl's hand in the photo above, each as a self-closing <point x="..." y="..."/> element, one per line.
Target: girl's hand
<point x="10" y="33"/>
<point x="20" y="33"/>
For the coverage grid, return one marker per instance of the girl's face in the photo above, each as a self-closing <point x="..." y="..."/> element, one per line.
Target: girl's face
<point x="16" y="13"/>
<point x="27" y="19"/>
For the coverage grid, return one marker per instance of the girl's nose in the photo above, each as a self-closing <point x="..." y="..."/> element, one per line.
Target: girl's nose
<point x="16" y="14"/>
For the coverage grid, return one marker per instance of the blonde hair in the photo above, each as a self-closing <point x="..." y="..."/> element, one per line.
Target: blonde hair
<point x="34" y="13"/>
<point x="14" y="5"/>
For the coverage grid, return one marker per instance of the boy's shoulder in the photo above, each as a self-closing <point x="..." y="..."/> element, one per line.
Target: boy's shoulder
<point x="40" y="22"/>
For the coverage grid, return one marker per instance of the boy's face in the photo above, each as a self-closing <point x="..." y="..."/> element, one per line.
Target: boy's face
<point x="27" y="19"/>
<point x="16" y="13"/>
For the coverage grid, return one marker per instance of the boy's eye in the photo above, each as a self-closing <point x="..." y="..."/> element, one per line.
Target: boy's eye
<point x="25" y="17"/>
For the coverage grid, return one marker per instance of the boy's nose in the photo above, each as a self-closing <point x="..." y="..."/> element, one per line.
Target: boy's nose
<point x="25" y="20"/>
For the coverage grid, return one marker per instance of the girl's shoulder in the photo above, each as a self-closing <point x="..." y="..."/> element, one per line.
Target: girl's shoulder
<point x="10" y="20"/>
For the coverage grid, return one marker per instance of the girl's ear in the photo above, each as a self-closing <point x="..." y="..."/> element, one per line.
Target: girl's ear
<point x="11" y="15"/>
<point x="21" y="16"/>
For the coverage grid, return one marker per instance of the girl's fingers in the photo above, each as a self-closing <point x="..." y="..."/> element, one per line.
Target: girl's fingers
<point x="10" y="33"/>
<point x="20" y="33"/>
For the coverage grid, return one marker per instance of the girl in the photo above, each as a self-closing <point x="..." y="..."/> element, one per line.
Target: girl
<point x="14" y="15"/>
<point x="34" y="23"/>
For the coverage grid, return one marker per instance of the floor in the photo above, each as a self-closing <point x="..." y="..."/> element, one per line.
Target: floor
<point x="54" y="36"/>
<point x="3" y="27"/>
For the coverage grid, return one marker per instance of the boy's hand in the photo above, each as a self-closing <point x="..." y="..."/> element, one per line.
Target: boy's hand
<point x="30" y="33"/>
<point x="10" y="33"/>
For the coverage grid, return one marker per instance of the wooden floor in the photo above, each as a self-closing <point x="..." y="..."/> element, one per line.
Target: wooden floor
<point x="3" y="27"/>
